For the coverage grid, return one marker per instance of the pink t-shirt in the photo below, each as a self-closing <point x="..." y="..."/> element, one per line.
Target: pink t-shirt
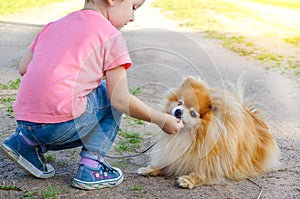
<point x="70" y="58"/>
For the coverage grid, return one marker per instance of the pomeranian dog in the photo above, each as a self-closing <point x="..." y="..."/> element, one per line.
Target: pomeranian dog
<point x="222" y="139"/>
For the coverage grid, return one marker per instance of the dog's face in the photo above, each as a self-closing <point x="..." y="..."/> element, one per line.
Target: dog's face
<point x="191" y="102"/>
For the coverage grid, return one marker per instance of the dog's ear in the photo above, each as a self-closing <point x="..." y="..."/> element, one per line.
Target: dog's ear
<point x="186" y="82"/>
<point x="172" y="96"/>
<point x="190" y="80"/>
<point x="191" y="83"/>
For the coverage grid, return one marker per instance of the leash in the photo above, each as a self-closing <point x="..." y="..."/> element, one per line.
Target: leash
<point x="131" y="156"/>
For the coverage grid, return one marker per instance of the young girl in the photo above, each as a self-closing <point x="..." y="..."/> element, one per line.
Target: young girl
<point x="62" y="101"/>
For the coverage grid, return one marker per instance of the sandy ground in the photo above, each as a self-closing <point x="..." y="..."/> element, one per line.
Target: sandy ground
<point x="163" y="55"/>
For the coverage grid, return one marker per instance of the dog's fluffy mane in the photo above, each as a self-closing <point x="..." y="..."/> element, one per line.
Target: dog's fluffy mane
<point x="229" y="141"/>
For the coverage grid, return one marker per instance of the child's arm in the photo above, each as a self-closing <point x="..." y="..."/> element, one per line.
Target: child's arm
<point x="24" y="62"/>
<point x="122" y="100"/>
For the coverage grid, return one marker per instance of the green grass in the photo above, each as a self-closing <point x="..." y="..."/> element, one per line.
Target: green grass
<point x="204" y="15"/>
<point x="293" y="4"/>
<point x="201" y="14"/>
<point x="133" y="122"/>
<point x="49" y="192"/>
<point x="238" y="44"/>
<point x="269" y="57"/>
<point x="135" y="91"/>
<point x="10" y="188"/>
<point x="293" y="40"/>
<point x="221" y="19"/>
<point x="63" y="163"/>
<point x="136" y="188"/>
<point x="138" y="191"/>
<point x="52" y="192"/>
<point x="30" y="194"/>
<point x="11" y="85"/>
<point x="14" y="6"/>
<point x="50" y="158"/>
<point x="128" y="141"/>
<point x="8" y="101"/>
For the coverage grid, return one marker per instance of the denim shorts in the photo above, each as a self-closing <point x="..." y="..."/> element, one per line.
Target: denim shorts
<point x="95" y="130"/>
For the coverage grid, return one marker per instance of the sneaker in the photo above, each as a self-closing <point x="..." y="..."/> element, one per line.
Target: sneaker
<point x="29" y="158"/>
<point x="103" y="176"/>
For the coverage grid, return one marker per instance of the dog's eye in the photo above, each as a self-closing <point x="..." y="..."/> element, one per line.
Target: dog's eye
<point x="193" y="114"/>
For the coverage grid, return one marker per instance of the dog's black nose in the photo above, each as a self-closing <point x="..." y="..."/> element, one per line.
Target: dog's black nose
<point x="178" y="113"/>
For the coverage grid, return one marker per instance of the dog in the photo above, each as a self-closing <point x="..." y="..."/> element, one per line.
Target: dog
<point x="222" y="139"/>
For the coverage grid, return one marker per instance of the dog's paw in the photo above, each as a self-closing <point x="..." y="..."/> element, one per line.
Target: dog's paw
<point x="185" y="182"/>
<point x="144" y="171"/>
<point x="150" y="171"/>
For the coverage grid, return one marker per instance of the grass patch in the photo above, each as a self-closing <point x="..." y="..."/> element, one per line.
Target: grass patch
<point x="293" y="4"/>
<point x="271" y="60"/>
<point x="138" y="191"/>
<point x="8" y="104"/>
<point x="223" y="20"/>
<point x="266" y="57"/>
<point x="48" y="192"/>
<point x="8" y="101"/>
<point x="133" y="122"/>
<point x="10" y="7"/>
<point x="236" y="44"/>
<point x="50" y="158"/>
<point x="30" y="194"/>
<point x="200" y="14"/>
<point x="11" y="85"/>
<point x="63" y="163"/>
<point x="128" y="141"/>
<point x="135" y="91"/>
<point x="136" y="188"/>
<point x="9" y="188"/>
<point x="294" y="40"/>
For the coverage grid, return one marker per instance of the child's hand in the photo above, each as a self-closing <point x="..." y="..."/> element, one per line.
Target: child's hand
<point x="172" y="124"/>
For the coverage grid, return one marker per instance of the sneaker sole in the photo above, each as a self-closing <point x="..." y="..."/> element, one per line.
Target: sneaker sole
<point x="96" y="185"/>
<point x="26" y="165"/>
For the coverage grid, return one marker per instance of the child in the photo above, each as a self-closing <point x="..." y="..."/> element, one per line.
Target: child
<point x="62" y="101"/>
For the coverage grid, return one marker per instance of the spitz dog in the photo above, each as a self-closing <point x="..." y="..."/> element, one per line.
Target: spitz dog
<point x="222" y="139"/>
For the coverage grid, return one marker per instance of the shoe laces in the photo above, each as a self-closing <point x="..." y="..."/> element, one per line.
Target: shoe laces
<point x="107" y="167"/>
<point x="41" y="157"/>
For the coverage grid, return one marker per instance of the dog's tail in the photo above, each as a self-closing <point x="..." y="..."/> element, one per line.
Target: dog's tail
<point x="240" y="86"/>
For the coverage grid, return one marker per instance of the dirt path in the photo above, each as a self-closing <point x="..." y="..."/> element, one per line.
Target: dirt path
<point x="156" y="44"/>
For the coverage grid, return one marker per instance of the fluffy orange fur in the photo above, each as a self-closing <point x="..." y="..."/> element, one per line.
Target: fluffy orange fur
<point x="222" y="139"/>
